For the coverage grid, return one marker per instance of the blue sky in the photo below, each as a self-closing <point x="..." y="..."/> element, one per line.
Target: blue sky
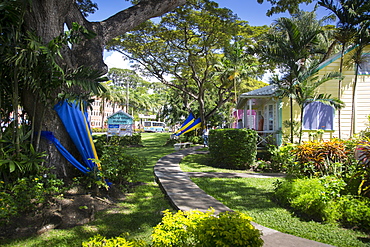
<point x="248" y="10"/>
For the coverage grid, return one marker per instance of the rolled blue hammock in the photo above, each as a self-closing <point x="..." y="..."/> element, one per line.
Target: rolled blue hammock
<point x="76" y="123"/>
<point x="50" y="137"/>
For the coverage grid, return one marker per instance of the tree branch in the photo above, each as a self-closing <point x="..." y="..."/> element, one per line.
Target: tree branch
<point x="129" y="18"/>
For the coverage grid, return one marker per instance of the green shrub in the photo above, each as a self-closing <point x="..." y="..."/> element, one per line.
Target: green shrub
<point x="316" y="198"/>
<point x="195" y="139"/>
<point x="227" y="229"/>
<point x="362" y="171"/>
<point x="119" y="167"/>
<point x="102" y="141"/>
<point x="318" y="159"/>
<point x="281" y="158"/>
<point x="355" y="212"/>
<point x="196" y="228"/>
<point x="99" y="130"/>
<point x="121" y="241"/>
<point x="26" y="194"/>
<point x="192" y="136"/>
<point x="233" y="148"/>
<point x="134" y="139"/>
<point x="176" y="229"/>
<point x="26" y="162"/>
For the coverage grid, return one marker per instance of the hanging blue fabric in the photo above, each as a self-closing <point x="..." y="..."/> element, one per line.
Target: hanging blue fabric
<point x="77" y="126"/>
<point x="49" y="136"/>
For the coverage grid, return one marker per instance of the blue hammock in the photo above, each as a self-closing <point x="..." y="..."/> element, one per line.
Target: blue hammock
<point x="75" y="121"/>
<point x="50" y="137"/>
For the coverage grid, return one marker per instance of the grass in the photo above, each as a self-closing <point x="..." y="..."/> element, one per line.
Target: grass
<point x="199" y="163"/>
<point x="253" y="196"/>
<point x="137" y="214"/>
<point x="142" y="208"/>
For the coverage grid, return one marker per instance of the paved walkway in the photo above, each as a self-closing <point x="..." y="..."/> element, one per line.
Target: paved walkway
<point x="186" y="195"/>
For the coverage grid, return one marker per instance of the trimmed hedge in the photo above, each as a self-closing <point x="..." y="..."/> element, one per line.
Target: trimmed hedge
<point x="233" y="148"/>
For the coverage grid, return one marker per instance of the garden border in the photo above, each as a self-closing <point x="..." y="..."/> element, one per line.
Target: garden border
<point x="185" y="195"/>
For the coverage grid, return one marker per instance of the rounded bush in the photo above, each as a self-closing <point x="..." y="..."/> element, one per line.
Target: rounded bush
<point x="100" y="241"/>
<point x="316" y="198"/>
<point x="196" y="228"/>
<point x="227" y="229"/>
<point x="356" y="211"/>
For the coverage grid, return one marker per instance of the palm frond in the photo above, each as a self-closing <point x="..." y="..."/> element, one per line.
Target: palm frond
<point x="90" y="80"/>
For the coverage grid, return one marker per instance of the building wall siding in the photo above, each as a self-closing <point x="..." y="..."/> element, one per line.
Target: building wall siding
<point x="362" y="101"/>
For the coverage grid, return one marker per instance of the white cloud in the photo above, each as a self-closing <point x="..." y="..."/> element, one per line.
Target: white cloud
<point x="267" y="76"/>
<point x="116" y="60"/>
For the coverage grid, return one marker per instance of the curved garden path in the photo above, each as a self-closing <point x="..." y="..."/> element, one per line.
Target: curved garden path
<point x="186" y="195"/>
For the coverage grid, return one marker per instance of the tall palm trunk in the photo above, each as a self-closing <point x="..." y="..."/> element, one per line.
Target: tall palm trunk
<point x="301" y="126"/>
<point x="353" y="110"/>
<point x="102" y="111"/>
<point x="291" y="120"/>
<point x="340" y="89"/>
<point x="1" y="116"/>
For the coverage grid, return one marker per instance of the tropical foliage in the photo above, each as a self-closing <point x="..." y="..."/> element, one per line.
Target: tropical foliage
<point x="294" y="46"/>
<point x="353" y="19"/>
<point x="325" y="199"/>
<point x="182" y="49"/>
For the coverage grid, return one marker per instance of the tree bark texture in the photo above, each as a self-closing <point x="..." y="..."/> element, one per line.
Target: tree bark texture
<point x="47" y="18"/>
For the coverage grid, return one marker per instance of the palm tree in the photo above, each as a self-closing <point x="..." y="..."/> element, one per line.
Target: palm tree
<point x="105" y="96"/>
<point x="240" y="65"/>
<point x="362" y="39"/>
<point x="350" y="14"/>
<point x="304" y="90"/>
<point x="235" y="66"/>
<point x="291" y="42"/>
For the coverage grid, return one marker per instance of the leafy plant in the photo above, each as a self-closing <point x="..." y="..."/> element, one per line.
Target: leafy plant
<point x="363" y="167"/>
<point x="317" y="159"/>
<point x="116" y="166"/>
<point x="121" y="241"/>
<point x="227" y="229"/>
<point x="27" y="194"/>
<point x="355" y="211"/>
<point x="316" y="198"/>
<point x="103" y="140"/>
<point x="14" y="165"/>
<point x="281" y="157"/>
<point x="196" y="228"/>
<point x="176" y="229"/>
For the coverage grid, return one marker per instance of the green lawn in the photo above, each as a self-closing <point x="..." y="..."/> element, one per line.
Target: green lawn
<point x="137" y="214"/>
<point x="141" y="210"/>
<point x="253" y="196"/>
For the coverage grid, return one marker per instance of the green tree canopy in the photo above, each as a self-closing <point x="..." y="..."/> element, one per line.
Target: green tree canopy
<point x="182" y="48"/>
<point x="291" y="44"/>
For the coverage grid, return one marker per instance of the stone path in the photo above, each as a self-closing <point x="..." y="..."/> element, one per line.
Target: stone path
<point x="186" y="195"/>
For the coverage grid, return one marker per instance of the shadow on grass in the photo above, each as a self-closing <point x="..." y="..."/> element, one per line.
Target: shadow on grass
<point x="239" y="194"/>
<point x="136" y="215"/>
<point x="254" y="196"/>
<point x="203" y="163"/>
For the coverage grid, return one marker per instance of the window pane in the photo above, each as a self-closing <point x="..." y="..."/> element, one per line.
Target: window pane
<point x="317" y="115"/>
<point x="364" y="68"/>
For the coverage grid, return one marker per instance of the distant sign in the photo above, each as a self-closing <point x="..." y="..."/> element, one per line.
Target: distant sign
<point x="120" y="124"/>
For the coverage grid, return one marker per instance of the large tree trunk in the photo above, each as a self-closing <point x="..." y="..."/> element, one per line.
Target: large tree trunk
<point x="47" y="19"/>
